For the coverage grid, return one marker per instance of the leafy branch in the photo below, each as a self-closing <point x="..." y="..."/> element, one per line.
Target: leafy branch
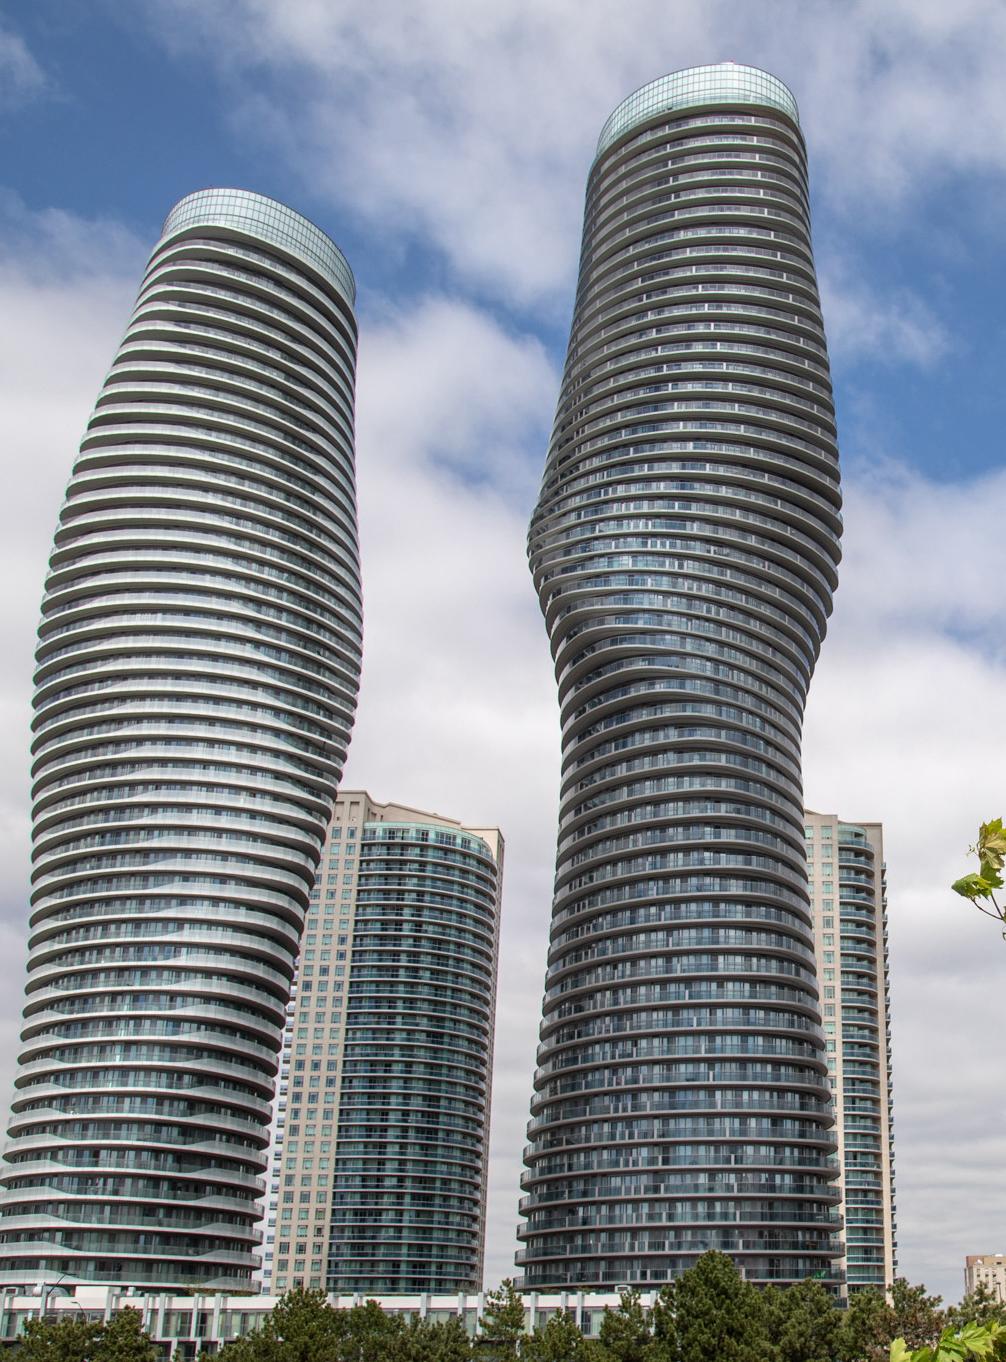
<point x="980" y="887"/>
<point x="973" y="1341"/>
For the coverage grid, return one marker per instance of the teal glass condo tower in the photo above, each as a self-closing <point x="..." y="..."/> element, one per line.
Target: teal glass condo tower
<point x="383" y="1125"/>
<point x="684" y="548"/>
<point x="197" y="671"/>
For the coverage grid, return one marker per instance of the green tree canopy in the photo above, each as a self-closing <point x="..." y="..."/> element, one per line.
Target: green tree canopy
<point x="625" y="1331"/>
<point x="123" y="1339"/>
<point x="975" y="1341"/>
<point x="980" y="1306"/>
<point x="664" y="1324"/>
<point x="437" y="1341"/>
<point x="918" y="1318"/>
<point x="719" y="1316"/>
<point x="501" y="1328"/>
<point x="980" y="886"/>
<point x="303" y="1327"/>
<point x="802" y="1323"/>
<point x="867" y="1328"/>
<point x="74" y="1338"/>
<point x="557" y="1340"/>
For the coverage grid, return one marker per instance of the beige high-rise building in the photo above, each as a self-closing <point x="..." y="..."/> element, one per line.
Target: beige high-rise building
<point x="985" y="1269"/>
<point x="382" y="1128"/>
<point x="846" y="872"/>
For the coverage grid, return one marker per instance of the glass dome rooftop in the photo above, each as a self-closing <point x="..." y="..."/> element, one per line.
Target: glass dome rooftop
<point x="266" y="218"/>
<point x="726" y="82"/>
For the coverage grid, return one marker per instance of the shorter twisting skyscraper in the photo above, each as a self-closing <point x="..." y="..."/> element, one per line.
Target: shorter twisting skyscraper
<point x="379" y="1179"/>
<point x="197" y="670"/>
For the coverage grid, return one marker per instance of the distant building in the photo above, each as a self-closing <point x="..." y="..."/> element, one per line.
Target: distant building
<point x="845" y="868"/>
<point x="985" y="1269"/>
<point x="379" y="1174"/>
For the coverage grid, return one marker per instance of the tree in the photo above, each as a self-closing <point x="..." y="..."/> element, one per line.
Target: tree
<point x="802" y="1322"/>
<point x="918" y="1318"/>
<point x="664" y="1324"/>
<point x="368" y="1334"/>
<point x="123" y="1339"/>
<point x="302" y="1327"/>
<point x="981" y="1306"/>
<point x="78" y="1339"/>
<point x="867" y="1328"/>
<point x="625" y="1332"/>
<point x="437" y="1341"/>
<point x="501" y="1328"/>
<point x="71" y="1339"/>
<point x="980" y="888"/>
<point x="719" y="1316"/>
<point x="557" y="1340"/>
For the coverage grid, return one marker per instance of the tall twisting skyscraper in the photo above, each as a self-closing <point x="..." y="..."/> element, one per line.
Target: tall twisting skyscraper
<point x="197" y="671"/>
<point x="684" y="548"/>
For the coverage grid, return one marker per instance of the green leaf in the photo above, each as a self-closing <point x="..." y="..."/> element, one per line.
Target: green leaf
<point x="974" y="887"/>
<point x="990" y="875"/>
<point x="900" y="1351"/>
<point x="992" y="844"/>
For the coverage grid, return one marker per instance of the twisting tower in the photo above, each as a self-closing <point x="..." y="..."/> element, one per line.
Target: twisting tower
<point x="684" y="549"/>
<point x="197" y="669"/>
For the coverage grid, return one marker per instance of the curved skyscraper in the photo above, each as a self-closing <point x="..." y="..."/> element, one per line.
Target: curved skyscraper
<point x="684" y="548"/>
<point x="197" y="670"/>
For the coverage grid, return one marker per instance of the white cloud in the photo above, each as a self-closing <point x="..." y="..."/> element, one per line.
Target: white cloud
<point x="51" y="244"/>
<point x="893" y="326"/>
<point x="443" y="384"/>
<point x="471" y="127"/>
<point x="66" y="287"/>
<point x="21" y="77"/>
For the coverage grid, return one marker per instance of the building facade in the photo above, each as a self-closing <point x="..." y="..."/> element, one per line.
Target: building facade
<point x="379" y="1174"/>
<point x="988" y="1270"/>
<point x="197" y="671"/>
<point x="848" y="892"/>
<point x="189" y="1326"/>
<point x="684" y="548"/>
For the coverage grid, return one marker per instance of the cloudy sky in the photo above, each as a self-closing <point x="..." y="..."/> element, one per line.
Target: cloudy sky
<point x="445" y="145"/>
